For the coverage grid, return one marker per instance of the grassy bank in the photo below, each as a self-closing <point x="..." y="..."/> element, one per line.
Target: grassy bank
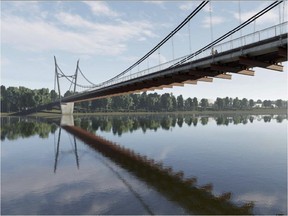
<point x="260" y="111"/>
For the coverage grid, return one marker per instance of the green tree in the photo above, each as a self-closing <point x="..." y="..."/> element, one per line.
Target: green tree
<point x="219" y="103"/>
<point x="41" y="96"/>
<point x="68" y="93"/>
<point x="174" y="102"/>
<point x="228" y="103"/>
<point x="123" y="102"/>
<point x="127" y="102"/>
<point x="259" y="101"/>
<point x="53" y="95"/>
<point x="204" y="103"/>
<point x="98" y="104"/>
<point x="4" y="101"/>
<point x="85" y="105"/>
<point x="267" y="103"/>
<point x="143" y="101"/>
<point x="279" y="103"/>
<point x="166" y="102"/>
<point x="244" y="103"/>
<point x="180" y="102"/>
<point x="107" y="103"/>
<point x="236" y="103"/>
<point x="136" y="100"/>
<point x="195" y="104"/>
<point x="251" y="103"/>
<point x="117" y="103"/>
<point x="153" y="101"/>
<point x="26" y="98"/>
<point x="188" y="104"/>
<point x="13" y="98"/>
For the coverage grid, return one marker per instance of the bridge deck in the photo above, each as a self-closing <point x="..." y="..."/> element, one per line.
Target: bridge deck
<point x="266" y="54"/>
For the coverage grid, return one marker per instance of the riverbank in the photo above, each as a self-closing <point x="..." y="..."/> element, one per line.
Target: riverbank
<point x="261" y="111"/>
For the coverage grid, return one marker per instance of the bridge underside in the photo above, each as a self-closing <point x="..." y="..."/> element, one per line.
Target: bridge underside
<point x="265" y="54"/>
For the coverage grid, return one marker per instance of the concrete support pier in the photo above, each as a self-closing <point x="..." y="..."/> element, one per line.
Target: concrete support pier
<point x="67" y="108"/>
<point x="67" y="120"/>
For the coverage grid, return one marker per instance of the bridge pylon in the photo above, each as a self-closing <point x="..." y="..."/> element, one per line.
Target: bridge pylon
<point x="66" y="108"/>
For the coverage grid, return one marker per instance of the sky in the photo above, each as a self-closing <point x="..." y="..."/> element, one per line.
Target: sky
<point x="109" y="36"/>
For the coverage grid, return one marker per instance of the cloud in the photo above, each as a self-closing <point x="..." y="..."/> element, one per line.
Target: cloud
<point x="72" y="33"/>
<point x="155" y="2"/>
<point x="216" y="20"/>
<point x="37" y="59"/>
<point x="268" y="18"/>
<point x="160" y="4"/>
<point x="187" y="6"/>
<point x="142" y="39"/>
<point x="23" y="6"/>
<point x="208" y="8"/>
<point x="4" y="61"/>
<point x="130" y="59"/>
<point x="73" y="20"/>
<point x="101" y="8"/>
<point x="157" y="58"/>
<point x="263" y="200"/>
<point x="164" y="153"/>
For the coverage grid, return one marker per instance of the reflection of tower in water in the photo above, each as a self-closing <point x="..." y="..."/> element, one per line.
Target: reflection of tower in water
<point x="75" y="151"/>
<point x="57" y="150"/>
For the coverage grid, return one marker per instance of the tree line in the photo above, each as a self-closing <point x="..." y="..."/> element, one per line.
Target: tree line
<point x="14" y="99"/>
<point x="14" y="128"/>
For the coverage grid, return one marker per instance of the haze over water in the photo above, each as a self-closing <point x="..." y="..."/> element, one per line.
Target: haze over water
<point x="148" y="164"/>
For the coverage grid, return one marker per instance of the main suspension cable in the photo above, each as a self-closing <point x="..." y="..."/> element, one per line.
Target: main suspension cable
<point x="183" y="23"/>
<point x="71" y="81"/>
<point x="86" y="78"/>
<point x="251" y="19"/>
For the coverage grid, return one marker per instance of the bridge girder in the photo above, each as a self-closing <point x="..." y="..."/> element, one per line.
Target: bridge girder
<point x="218" y="67"/>
<point x="282" y="52"/>
<point x="256" y="63"/>
<point x="242" y="60"/>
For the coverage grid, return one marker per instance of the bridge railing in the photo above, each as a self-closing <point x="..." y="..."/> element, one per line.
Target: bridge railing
<point x="254" y="37"/>
<point x="249" y="39"/>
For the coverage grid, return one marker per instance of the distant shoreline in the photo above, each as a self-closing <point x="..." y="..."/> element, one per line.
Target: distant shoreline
<point x="263" y="111"/>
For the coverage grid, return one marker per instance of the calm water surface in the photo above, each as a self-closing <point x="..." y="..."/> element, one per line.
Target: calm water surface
<point x="150" y="164"/>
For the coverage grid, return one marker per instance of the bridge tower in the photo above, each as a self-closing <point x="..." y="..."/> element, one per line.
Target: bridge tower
<point x="66" y="108"/>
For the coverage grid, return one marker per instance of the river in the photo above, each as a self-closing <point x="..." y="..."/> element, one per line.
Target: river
<point x="144" y="164"/>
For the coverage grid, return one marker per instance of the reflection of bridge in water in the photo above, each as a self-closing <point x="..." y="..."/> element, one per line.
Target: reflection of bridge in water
<point x="75" y="151"/>
<point x="173" y="185"/>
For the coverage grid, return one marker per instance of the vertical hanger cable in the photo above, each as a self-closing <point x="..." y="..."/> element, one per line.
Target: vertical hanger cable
<point x="172" y="43"/>
<point x="240" y="19"/>
<point x="189" y="32"/>
<point x="211" y="27"/>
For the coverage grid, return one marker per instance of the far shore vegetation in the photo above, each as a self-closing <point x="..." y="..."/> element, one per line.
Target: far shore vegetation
<point x="16" y="99"/>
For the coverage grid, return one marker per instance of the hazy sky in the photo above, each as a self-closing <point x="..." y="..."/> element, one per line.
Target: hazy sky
<point x="110" y="36"/>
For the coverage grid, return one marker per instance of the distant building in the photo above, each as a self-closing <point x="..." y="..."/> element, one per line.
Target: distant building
<point x="257" y="105"/>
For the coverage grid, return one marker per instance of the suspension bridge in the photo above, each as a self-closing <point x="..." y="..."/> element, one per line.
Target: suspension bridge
<point x="266" y="48"/>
